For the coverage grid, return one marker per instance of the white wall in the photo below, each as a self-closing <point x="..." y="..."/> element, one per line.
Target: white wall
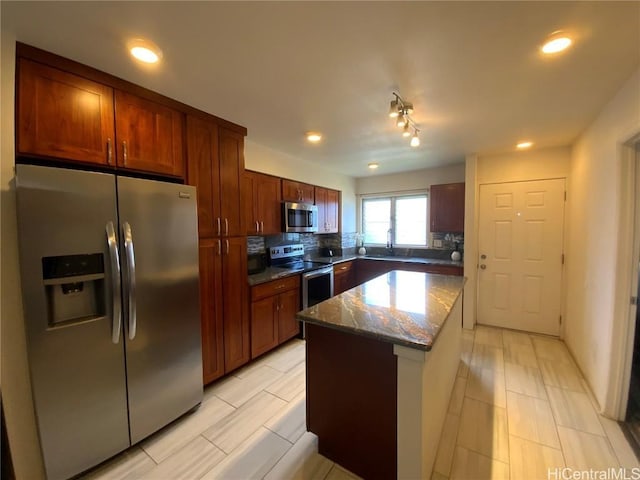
<point x="16" y="390"/>
<point x="266" y="160"/>
<point x="406" y="181"/>
<point x="595" y="202"/>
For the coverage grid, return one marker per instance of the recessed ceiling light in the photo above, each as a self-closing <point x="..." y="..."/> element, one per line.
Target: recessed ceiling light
<point x="373" y="166"/>
<point x="314" y="137"/>
<point x="145" y="50"/>
<point x="524" y="145"/>
<point x="556" y="44"/>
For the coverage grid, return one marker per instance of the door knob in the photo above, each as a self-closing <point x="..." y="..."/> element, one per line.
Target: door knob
<point x="483" y="266"/>
<point x="483" y="256"/>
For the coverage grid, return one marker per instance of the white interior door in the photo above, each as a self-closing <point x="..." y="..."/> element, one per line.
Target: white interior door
<point x="520" y="255"/>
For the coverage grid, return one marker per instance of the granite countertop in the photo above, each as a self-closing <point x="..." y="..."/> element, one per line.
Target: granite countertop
<point x="403" y="308"/>
<point x="428" y="261"/>
<point x="274" y="273"/>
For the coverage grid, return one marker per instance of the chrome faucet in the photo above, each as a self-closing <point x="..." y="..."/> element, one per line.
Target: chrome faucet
<point x="389" y="242"/>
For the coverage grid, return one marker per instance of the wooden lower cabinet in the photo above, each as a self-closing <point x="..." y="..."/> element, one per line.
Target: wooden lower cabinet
<point x="368" y="269"/>
<point x="273" y="314"/>
<point x="223" y="305"/>
<point x="344" y="277"/>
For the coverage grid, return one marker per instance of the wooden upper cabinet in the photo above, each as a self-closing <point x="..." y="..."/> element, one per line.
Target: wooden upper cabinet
<point x="231" y="157"/>
<point x="297" y="192"/>
<point x="203" y="172"/>
<point x="263" y="204"/>
<point x="63" y="116"/>
<point x="215" y="158"/>
<point x="447" y="208"/>
<point x="149" y="136"/>
<point x="328" y="203"/>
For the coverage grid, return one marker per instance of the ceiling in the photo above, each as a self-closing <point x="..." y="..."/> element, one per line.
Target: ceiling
<point x="471" y="69"/>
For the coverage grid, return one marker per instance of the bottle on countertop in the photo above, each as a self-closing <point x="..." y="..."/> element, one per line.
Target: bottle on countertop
<point x="456" y="256"/>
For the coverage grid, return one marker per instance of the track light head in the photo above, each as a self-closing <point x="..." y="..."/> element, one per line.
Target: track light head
<point x="394" y="109"/>
<point x="405" y="131"/>
<point x="402" y="121"/>
<point x="415" y="141"/>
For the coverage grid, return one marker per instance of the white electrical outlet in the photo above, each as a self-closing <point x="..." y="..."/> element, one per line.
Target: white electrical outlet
<point x="437" y="243"/>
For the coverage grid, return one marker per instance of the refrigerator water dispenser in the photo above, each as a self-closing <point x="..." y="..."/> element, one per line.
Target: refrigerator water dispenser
<point x="74" y="288"/>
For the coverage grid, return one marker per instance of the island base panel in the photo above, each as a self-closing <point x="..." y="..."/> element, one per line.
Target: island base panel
<point x="352" y="401"/>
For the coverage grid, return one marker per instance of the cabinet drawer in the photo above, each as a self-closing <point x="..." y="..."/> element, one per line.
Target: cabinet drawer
<point x="275" y="287"/>
<point x="342" y="268"/>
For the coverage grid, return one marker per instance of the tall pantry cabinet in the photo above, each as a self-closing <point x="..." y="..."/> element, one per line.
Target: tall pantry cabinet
<point x="215" y="165"/>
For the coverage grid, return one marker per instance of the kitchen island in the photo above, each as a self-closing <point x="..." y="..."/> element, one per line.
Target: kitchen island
<point x="381" y="364"/>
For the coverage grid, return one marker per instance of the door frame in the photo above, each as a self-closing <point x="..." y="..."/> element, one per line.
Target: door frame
<point x="627" y="278"/>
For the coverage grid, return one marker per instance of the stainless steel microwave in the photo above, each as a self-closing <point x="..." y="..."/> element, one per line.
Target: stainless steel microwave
<point x="299" y="217"/>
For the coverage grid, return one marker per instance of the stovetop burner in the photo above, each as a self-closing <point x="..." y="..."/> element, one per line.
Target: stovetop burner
<point x="291" y="257"/>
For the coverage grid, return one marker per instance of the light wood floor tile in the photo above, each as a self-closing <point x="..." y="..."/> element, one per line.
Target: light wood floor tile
<point x="623" y="451"/>
<point x="487" y="385"/>
<point x="558" y="374"/>
<point x="531" y="418"/>
<point x="232" y="430"/>
<point x="436" y="476"/>
<point x="237" y="391"/>
<point x="483" y="429"/>
<point x="173" y="437"/>
<point x="463" y="367"/>
<point x="551" y="349"/>
<point x="587" y="389"/>
<point x="532" y="460"/>
<point x="520" y="354"/>
<point x="291" y="422"/>
<point x="288" y="356"/>
<point x="290" y="384"/>
<point x="583" y="451"/>
<point x="339" y="473"/>
<point x="469" y="465"/>
<point x="457" y="395"/>
<point x="574" y="410"/>
<point x="484" y="356"/>
<point x="489" y="336"/>
<point x="525" y="380"/>
<point x="129" y="465"/>
<point x="468" y="337"/>
<point x="511" y="337"/>
<point x="301" y="462"/>
<point x="447" y="445"/>
<point x="192" y="461"/>
<point x="253" y="459"/>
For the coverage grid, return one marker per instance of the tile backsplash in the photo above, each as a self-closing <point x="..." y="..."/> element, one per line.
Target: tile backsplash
<point x="311" y="241"/>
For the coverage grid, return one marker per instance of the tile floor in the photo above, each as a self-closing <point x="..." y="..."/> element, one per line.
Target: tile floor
<point x="519" y="406"/>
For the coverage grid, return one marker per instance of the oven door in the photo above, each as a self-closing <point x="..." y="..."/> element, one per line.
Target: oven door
<point x="317" y="286"/>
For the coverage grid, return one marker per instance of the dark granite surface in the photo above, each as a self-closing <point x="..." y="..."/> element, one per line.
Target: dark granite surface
<point x="403" y="308"/>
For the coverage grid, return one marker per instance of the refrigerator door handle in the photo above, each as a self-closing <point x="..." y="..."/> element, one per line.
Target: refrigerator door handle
<point x="131" y="274"/>
<point x="116" y="320"/>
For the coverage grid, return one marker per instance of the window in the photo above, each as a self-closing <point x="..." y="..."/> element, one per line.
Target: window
<point x="400" y="219"/>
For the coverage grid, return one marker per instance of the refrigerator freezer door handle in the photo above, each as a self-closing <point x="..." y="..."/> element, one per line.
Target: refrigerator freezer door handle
<point x="116" y="319"/>
<point x="131" y="274"/>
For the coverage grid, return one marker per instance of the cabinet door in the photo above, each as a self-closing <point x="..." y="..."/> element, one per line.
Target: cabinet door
<point x="203" y="173"/>
<point x="235" y="302"/>
<point x="63" y="116"/>
<point x="297" y="192"/>
<point x="289" y="305"/>
<point x="332" y="211"/>
<point x="447" y="207"/>
<point x="231" y="155"/>
<point x="269" y="204"/>
<point x="211" y="310"/>
<point x="149" y="136"/>
<point x="321" y="203"/>
<point x="249" y="191"/>
<point x="343" y="277"/>
<point x="264" y="325"/>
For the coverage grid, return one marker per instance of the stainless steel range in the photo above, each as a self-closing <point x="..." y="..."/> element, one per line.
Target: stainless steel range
<point x="317" y="277"/>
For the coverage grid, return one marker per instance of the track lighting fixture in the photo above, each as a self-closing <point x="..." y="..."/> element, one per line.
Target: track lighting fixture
<point x="401" y="111"/>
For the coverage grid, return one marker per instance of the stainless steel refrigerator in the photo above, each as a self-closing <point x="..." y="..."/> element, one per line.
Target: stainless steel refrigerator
<point x="109" y="268"/>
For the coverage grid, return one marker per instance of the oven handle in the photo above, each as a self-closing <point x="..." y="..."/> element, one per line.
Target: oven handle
<point x="319" y="272"/>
